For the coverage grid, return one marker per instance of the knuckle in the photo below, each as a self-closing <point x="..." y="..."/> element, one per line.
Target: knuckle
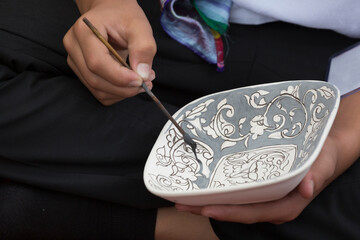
<point x="148" y="47"/>
<point x="128" y="94"/>
<point x="101" y="96"/>
<point x="94" y="83"/>
<point x="66" y="40"/>
<point x="110" y="101"/>
<point x="93" y="63"/>
<point x="78" y="27"/>
<point x="106" y="102"/>
<point x="152" y="48"/>
<point x="68" y="60"/>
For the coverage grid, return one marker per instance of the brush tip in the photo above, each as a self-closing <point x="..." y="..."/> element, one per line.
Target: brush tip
<point x="188" y="140"/>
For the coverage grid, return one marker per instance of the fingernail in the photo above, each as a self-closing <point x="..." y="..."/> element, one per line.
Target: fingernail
<point x="143" y="70"/>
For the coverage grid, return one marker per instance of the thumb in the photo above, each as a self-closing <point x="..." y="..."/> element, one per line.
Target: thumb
<point x="142" y="49"/>
<point x="306" y="186"/>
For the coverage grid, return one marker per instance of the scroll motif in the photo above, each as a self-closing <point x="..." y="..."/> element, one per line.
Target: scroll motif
<point x="243" y="137"/>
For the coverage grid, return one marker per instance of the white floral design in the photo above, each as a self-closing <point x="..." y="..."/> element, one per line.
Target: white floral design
<point x="227" y="127"/>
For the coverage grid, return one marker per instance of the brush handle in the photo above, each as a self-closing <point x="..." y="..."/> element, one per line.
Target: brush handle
<point x="119" y="58"/>
<point x="106" y="43"/>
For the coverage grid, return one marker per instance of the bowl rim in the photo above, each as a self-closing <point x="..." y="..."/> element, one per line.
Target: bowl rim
<point x="254" y="185"/>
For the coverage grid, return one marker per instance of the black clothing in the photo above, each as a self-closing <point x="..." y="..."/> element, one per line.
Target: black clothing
<point x="61" y="148"/>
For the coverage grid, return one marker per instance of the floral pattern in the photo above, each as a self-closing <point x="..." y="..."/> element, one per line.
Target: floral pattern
<point x="244" y="135"/>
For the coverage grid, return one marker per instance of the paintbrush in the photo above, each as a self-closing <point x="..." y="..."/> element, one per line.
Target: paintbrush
<point x="186" y="136"/>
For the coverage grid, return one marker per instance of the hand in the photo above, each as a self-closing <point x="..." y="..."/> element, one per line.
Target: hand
<point x="125" y="26"/>
<point x="340" y="150"/>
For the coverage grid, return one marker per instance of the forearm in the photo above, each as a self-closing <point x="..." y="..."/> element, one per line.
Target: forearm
<point x="346" y="133"/>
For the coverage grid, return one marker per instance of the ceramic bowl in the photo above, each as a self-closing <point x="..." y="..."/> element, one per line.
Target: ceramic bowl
<point x="254" y="144"/>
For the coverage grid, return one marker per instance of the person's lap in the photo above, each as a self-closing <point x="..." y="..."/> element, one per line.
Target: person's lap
<point x="55" y="135"/>
<point x="28" y="212"/>
<point x="73" y="167"/>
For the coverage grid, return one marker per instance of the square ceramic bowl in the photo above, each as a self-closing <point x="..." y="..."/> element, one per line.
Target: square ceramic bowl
<point x="254" y="144"/>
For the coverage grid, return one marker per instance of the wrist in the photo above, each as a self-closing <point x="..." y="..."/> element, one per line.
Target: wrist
<point x="345" y="133"/>
<point x="346" y="127"/>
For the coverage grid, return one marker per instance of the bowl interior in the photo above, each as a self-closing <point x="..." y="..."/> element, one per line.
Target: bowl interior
<point x="244" y="136"/>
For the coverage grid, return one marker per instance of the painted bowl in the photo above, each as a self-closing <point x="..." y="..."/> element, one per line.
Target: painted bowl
<point x="254" y="144"/>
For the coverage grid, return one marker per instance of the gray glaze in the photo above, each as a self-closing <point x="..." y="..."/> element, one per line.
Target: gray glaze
<point x="244" y="135"/>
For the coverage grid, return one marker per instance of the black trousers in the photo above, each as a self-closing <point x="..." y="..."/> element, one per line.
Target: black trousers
<point x="61" y="149"/>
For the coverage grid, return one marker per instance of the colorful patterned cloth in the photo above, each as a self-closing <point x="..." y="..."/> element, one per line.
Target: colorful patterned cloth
<point x="198" y="24"/>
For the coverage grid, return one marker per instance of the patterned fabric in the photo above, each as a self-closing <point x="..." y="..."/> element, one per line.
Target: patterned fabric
<point x="198" y="24"/>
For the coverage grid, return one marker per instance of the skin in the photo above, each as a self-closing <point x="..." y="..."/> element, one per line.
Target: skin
<point x="125" y="26"/>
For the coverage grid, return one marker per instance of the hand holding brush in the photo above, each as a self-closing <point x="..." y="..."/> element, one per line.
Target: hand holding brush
<point x="187" y="138"/>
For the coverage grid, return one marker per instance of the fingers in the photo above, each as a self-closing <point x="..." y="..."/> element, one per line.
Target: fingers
<point x="306" y="187"/>
<point x="141" y="46"/>
<point x="278" y="211"/>
<point x="105" y="89"/>
<point x="99" y="60"/>
<point x="105" y="98"/>
<point x="321" y="172"/>
<point x="141" y="55"/>
<point x="95" y="66"/>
